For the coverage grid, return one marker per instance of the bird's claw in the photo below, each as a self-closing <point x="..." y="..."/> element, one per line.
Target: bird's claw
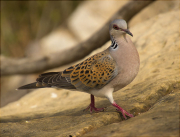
<point x="124" y="113"/>
<point x="91" y="107"/>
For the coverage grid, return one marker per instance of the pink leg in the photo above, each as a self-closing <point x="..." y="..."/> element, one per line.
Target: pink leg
<point x="124" y="113"/>
<point x="92" y="106"/>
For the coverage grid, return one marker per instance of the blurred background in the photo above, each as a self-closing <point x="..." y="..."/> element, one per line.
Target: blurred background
<point x="24" y="21"/>
<point x="33" y="28"/>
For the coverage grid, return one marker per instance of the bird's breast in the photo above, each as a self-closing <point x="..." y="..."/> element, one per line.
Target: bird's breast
<point x="127" y="59"/>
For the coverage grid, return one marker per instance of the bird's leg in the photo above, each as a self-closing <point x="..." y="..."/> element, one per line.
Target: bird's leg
<point x="92" y="106"/>
<point x="124" y="113"/>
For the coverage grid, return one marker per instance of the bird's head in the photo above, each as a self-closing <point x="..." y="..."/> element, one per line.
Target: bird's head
<point x="119" y="27"/>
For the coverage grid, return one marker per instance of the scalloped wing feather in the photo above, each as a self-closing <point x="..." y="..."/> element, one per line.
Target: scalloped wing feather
<point x="93" y="73"/>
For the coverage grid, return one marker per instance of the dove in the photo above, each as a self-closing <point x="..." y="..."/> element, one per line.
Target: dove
<point x="101" y="74"/>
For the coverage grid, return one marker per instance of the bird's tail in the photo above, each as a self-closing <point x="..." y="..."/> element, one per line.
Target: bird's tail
<point x="49" y="79"/>
<point x="30" y="86"/>
<point x="44" y="80"/>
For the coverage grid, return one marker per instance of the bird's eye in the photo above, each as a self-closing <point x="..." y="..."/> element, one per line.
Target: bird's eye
<point x="115" y="27"/>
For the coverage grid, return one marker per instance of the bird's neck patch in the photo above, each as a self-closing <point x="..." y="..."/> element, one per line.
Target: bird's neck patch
<point x="114" y="45"/>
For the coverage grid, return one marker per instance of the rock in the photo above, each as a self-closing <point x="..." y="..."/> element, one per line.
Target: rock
<point x="160" y="120"/>
<point x="155" y="8"/>
<point x="152" y="97"/>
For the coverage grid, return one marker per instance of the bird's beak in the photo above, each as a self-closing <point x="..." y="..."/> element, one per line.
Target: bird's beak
<point x="128" y="32"/>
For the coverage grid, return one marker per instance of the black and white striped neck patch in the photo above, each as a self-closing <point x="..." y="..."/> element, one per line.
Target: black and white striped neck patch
<point x="114" y="44"/>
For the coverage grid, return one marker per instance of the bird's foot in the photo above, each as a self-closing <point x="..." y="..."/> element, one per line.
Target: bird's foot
<point x="124" y="113"/>
<point x="92" y="107"/>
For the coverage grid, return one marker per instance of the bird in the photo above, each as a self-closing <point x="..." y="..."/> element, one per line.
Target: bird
<point x="101" y="74"/>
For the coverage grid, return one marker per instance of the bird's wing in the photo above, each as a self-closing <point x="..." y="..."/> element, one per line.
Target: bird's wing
<point x="53" y="79"/>
<point x="93" y="73"/>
